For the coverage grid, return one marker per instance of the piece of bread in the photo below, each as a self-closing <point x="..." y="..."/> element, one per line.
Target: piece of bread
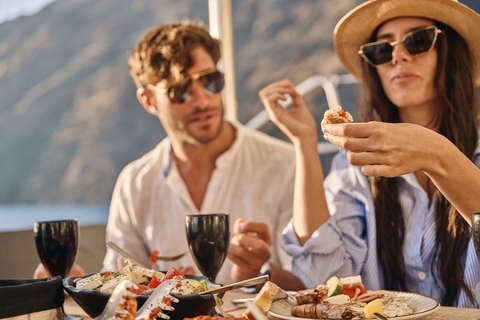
<point x="263" y="299"/>
<point x="336" y="115"/>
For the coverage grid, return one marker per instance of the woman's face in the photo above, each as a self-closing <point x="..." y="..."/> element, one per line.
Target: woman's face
<point x="408" y="81"/>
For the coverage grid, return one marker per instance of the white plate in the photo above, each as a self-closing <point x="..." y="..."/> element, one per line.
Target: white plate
<point x="421" y="305"/>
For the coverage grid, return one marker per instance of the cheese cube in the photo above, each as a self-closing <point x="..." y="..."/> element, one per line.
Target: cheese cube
<point x="110" y="285"/>
<point x="349" y="282"/>
<point x="91" y="282"/>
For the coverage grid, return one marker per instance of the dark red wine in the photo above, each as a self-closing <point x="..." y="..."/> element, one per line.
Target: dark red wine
<point x="57" y="245"/>
<point x="476" y="232"/>
<point x="208" y="237"/>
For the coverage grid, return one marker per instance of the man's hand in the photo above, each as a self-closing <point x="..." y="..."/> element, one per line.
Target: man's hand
<point x="249" y="249"/>
<point x="187" y="270"/>
<point x="41" y="272"/>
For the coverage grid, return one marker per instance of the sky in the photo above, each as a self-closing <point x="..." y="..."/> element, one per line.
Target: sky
<point x="12" y="9"/>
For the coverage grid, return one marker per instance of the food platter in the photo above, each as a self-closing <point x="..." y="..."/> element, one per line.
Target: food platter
<point x="421" y="305"/>
<point x="93" y="302"/>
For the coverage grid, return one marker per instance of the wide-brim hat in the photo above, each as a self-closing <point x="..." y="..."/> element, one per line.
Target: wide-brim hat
<point x="357" y="26"/>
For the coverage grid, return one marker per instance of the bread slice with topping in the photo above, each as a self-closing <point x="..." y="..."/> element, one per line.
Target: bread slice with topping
<point x="263" y="299"/>
<point x="336" y="115"/>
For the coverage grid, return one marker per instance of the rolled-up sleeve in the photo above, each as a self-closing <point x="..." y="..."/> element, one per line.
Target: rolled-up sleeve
<point x="340" y="246"/>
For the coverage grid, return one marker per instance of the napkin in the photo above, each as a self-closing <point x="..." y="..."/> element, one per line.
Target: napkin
<point x="28" y="296"/>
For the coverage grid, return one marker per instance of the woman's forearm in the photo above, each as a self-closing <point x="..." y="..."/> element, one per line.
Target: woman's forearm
<point x="456" y="177"/>
<point x="309" y="205"/>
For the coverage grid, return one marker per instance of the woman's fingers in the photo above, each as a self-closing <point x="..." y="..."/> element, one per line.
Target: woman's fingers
<point x="381" y="149"/>
<point x="379" y="171"/>
<point x="364" y="137"/>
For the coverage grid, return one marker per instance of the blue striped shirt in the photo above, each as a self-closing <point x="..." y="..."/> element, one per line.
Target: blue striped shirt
<point x="345" y="245"/>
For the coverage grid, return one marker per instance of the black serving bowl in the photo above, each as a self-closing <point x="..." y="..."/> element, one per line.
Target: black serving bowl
<point x="93" y="302"/>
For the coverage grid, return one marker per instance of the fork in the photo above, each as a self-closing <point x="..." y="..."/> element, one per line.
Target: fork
<point x="171" y="258"/>
<point x="282" y="294"/>
<point x="124" y="254"/>
<point x="379" y="316"/>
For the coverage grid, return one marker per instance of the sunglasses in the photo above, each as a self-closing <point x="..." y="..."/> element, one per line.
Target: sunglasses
<point x="211" y="80"/>
<point x="419" y="41"/>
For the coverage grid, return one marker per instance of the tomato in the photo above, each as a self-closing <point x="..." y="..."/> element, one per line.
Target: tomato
<point x="154" y="282"/>
<point x="352" y="290"/>
<point x="349" y="292"/>
<point x="174" y="274"/>
<point x="153" y="257"/>
<point x="142" y="288"/>
<point x="363" y="289"/>
<point x="107" y="274"/>
<point x="342" y="114"/>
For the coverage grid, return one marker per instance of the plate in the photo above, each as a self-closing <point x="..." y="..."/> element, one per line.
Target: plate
<point x="421" y="305"/>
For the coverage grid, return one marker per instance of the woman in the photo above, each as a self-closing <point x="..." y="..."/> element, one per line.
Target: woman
<point x="396" y="207"/>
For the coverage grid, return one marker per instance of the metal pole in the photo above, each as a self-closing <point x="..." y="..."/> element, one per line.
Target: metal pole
<point x="221" y="26"/>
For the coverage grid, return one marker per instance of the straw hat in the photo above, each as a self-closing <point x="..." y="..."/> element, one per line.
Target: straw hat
<point x="358" y="25"/>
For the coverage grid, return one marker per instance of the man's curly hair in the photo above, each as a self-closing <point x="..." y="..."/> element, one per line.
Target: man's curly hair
<point x="164" y="52"/>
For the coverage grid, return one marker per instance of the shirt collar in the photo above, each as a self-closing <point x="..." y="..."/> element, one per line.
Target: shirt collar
<point x="168" y="163"/>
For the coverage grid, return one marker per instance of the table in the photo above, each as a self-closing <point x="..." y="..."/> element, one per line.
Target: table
<point x="443" y="313"/>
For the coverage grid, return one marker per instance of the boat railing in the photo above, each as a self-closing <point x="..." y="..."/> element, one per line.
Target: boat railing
<point x="329" y="84"/>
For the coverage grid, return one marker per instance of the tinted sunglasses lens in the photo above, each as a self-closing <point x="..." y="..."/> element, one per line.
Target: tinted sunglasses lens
<point x="378" y="53"/>
<point x="213" y="82"/>
<point x="180" y="94"/>
<point x="420" y="41"/>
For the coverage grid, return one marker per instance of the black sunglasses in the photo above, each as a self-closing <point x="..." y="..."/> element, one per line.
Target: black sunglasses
<point x="419" y="41"/>
<point x="211" y="80"/>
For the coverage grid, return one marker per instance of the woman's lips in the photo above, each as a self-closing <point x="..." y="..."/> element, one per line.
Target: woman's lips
<point x="404" y="77"/>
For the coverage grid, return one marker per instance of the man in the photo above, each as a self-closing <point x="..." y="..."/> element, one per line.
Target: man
<point x="206" y="164"/>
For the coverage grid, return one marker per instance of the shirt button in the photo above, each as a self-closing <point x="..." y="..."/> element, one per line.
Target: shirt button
<point x="422" y="276"/>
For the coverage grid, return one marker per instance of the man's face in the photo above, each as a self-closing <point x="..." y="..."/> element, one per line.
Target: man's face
<point x="198" y="120"/>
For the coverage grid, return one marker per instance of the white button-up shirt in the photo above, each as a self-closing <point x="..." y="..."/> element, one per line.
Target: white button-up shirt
<point x="253" y="180"/>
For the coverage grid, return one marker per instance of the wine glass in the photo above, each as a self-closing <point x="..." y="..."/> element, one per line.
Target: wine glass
<point x="476" y="232"/>
<point x="57" y="245"/>
<point x="208" y="237"/>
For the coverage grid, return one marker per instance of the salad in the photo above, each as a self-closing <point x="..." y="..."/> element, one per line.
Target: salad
<point x="145" y="279"/>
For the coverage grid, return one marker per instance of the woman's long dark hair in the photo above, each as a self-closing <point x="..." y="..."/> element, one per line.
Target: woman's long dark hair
<point x="457" y="119"/>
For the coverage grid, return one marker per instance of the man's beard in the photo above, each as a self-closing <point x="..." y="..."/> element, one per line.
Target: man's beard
<point x="188" y="137"/>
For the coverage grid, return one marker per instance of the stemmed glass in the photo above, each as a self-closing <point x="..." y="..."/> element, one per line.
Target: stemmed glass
<point x="208" y="237"/>
<point x="476" y="232"/>
<point x="57" y="245"/>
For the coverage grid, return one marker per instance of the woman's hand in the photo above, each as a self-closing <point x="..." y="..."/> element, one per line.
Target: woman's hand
<point x="390" y="150"/>
<point x="295" y="123"/>
<point x="386" y="149"/>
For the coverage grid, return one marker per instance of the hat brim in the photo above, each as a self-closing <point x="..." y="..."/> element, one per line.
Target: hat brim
<point x="356" y="27"/>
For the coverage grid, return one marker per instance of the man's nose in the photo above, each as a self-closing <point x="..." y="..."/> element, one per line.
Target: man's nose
<point x="199" y="95"/>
